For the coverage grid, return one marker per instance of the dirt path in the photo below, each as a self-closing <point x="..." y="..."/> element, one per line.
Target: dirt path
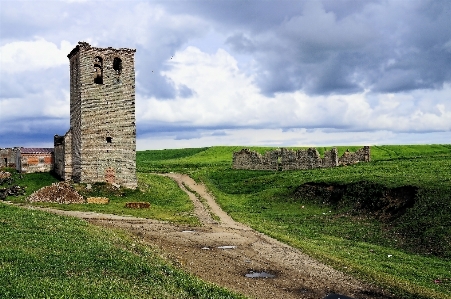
<point x="224" y="251"/>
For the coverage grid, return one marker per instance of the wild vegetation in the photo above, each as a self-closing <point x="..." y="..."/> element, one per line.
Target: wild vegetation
<point x="408" y="252"/>
<point x="332" y="214"/>
<point x="48" y="256"/>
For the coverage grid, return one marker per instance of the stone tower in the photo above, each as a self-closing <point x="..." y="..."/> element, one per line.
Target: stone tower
<point x="100" y="145"/>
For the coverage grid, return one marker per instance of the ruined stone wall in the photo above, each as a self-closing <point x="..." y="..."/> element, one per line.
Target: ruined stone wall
<point x="103" y="115"/>
<point x="67" y="173"/>
<point x="330" y="158"/>
<point x="247" y="159"/>
<point x="63" y="156"/>
<point x="8" y="157"/>
<point x="58" y="160"/>
<point x="300" y="159"/>
<point x="286" y="159"/>
<point x="36" y="161"/>
<point x="362" y="155"/>
<point x="75" y="114"/>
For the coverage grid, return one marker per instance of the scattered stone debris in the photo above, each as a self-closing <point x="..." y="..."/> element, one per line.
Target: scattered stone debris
<point x="98" y="200"/>
<point x="62" y="193"/>
<point x="137" y="205"/>
<point x="4" y="175"/>
<point x="11" y="189"/>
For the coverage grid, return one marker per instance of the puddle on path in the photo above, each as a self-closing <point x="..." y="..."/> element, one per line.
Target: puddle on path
<point x="188" y="231"/>
<point x="226" y="247"/>
<point x="253" y="274"/>
<point x="336" y="296"/>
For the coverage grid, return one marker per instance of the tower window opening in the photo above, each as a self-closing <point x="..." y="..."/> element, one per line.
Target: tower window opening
<point x="109" y="139"/>
<point x="98" y="70"/>
<point x="117" y="65"/>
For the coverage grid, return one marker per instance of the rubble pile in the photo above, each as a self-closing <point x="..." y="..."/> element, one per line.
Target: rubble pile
<point x="11" y="191"/>
<point x="5" y="177"/>
<point x="8" y="188"/>
<point x="61" y="192"/>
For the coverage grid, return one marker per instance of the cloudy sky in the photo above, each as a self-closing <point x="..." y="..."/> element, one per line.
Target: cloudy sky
<point x="238" y="72"/>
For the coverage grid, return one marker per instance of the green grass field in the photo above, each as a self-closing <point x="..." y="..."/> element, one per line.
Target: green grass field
<point x="410" y="255"/>
<point x="48" y="256"/>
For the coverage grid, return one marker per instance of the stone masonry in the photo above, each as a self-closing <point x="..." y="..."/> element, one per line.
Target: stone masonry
<point x="100" y="145"/>
<point x="27" y="160"/>
<point x="30" y="160"/>
<point x="247" y="159"/>
<point x="8" y="157"/>
<point x="286" y="159"/>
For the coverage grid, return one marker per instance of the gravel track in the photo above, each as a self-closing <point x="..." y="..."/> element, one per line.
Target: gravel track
<point x="198" y="251"/>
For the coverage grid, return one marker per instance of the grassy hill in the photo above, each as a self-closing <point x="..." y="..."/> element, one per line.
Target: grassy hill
<point x="408" y="251"/>
<point x="332" y="214"/>
<point x="48" y="256"/>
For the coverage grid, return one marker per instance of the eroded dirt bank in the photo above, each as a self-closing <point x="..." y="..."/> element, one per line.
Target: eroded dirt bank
<point x="224" y="251"/>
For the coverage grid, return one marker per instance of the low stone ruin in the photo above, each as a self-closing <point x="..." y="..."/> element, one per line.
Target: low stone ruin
<point x="137" y="205"/>
<point x="286" y="159"/>
<point x="98" y="200"/>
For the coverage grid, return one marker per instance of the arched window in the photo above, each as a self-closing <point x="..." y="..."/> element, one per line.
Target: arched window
<point x="98" y="70"/>
<point x="117" y="65"/>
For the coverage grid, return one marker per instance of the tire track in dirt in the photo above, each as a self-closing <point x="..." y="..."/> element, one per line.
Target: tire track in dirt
<point x="224" y="251"/>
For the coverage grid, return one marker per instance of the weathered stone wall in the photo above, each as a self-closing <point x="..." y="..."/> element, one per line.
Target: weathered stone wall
<point x="286" y="159"/>
<point x="67" y="174"/>
<point x="247" y="159"/>
<point x="305" y="159"/>
<point x="362" y="155"/>
<point x="35" y="160"/>
<point x="102" y="122"/>
<point x="63" y="156"/>
<point x="8" y="157"/>
<point x="58" y="160"/>
<point x="330" y="158"/>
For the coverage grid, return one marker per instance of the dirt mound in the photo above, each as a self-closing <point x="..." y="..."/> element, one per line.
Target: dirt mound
<point x="61" y="192"/>
<point x="362" y="197"/>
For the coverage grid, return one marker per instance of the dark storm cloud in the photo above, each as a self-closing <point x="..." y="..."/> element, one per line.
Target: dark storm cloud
<point x="339" y="47"/>
<point x="256" y="16"/>
<point x="293" y="64"/>
<point x="29" y="131"/>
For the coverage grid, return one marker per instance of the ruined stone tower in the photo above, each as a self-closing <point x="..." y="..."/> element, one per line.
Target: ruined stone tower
<point x="100" y="145"/>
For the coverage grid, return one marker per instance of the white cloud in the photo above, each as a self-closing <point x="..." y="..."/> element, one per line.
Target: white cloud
<point x="302" y="57"/>
<point x="39" y="54"/>
<point x="295" y="138"/>
<point x="223" y="95"/>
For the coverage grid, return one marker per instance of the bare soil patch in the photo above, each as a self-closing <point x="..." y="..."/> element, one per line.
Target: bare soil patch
<point x="224" y="251"/>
